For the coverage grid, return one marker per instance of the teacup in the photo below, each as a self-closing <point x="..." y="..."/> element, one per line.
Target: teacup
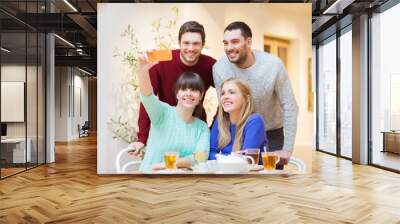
<point x="170" y="159"/>
<point x="254" y="153"/>
<point x="270" y="159"/>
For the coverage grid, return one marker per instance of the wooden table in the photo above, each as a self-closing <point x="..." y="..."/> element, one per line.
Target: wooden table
<point x="185" y="172"/>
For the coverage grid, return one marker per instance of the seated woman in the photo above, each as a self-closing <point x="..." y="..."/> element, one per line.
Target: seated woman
<point x="236" y="128"/>
<point x="173" y="129"/>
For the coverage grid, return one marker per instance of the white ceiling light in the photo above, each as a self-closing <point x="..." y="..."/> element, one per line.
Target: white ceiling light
<point x="84" y="71"/>
<point x="70" y="5"/>
<point x="338" y="6"/>
<point x="5" y="50"/>
<point x="79" y="51"/>
<point x="65" y="41"/>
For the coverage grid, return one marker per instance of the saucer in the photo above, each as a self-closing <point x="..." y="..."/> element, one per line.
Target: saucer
<point x="270" y="171"/>
<point x="178" y="171"/>
<point x="255" y="167"/>
<point x="228" y="172"/>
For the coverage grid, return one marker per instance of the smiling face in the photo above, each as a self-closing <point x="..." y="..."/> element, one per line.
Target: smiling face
<point x="231" y="98"/>
<point x="188" y="98"/>
<point x="236" y="46"/>
<point x="191" y="45"/>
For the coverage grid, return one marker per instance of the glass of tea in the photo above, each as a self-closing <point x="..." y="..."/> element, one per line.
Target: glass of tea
<point x="270" y="159"/>
<point x="254" y="153"/>
<point x="170" y="159"/>
<point x="200" y="156"/>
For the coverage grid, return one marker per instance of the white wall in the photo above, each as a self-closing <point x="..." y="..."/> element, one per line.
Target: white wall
<point x="80" y="84"/>
<point x="61" y="103"/>
<point x="17" y="73"/>
<point x="69" y="82"/>
<point x="289" y="21"/>
<point x="13" y="101"/>
<point x="33" y="127"/>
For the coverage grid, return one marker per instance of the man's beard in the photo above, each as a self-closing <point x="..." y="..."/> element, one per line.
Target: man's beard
<point x="241" y="59"/>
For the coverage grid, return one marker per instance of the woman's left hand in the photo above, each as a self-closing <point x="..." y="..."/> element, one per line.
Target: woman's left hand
<point x="144" y="65"/>
<point x="158" y="166"/>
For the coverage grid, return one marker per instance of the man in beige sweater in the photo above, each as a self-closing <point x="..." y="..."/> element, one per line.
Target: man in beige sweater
<point x="270" y="86"/>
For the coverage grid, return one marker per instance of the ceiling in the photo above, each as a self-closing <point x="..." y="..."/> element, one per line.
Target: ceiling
<point x="76" y="22"/>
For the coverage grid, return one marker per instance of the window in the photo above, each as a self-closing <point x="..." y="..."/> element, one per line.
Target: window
<point x="385" y="89"/>
<point x="22" y="65"/>
<point x="346" y="94"/>
<point x="327" y="96"/>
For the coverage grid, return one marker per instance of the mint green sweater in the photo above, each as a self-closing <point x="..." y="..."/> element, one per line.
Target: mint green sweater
<point x="168" y="132"/>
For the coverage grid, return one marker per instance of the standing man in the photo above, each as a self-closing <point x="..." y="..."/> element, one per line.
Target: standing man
<point x="272" y="92"/>
<point x="165" y="74"/>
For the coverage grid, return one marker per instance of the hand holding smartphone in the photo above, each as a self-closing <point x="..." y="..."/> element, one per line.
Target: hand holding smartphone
<point x="159" y="55"/>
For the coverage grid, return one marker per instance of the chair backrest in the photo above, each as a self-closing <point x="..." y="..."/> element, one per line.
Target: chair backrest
<point x="300" y="165"/>
<point x="86" y="125"/>
<point x="122" y="168"/>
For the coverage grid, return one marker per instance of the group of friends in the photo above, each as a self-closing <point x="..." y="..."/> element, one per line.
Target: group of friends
<point x="256" y="109"/>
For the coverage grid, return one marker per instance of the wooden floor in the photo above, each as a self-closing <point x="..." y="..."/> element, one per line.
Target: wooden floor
<point x="70" y="191"/>
<point x="387" y="159"/>
<point x="10" y="171"/>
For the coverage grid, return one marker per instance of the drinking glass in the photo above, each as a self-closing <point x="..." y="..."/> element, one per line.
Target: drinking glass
<point x="200" y="156"/>
<point x="270" y="159"/>
<point x="254" y="153"/>
<point x="170" y="159"/>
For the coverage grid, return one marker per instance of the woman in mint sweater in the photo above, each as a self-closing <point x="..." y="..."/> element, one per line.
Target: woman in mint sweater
<point x="173" y="129"/>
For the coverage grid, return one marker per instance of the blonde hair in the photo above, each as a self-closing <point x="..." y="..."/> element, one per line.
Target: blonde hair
<point x="224" y="121"/>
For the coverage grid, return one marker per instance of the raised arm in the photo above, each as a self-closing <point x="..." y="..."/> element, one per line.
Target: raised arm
<point x="154" y="107"/>
<point x="144" y="120"/>
<point x="146" y="89"/>
<point x="143" y="75"/>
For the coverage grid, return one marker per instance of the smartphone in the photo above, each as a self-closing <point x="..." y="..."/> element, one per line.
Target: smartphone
<point x="159" y="55"/>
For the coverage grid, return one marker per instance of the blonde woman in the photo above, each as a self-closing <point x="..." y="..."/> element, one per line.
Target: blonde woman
<point x="237" y="127"/>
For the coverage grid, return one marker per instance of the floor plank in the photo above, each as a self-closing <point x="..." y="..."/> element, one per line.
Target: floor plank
<point x="70" y="191"/>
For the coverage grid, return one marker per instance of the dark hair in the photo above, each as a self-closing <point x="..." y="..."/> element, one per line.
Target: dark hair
<point x="194" y="27"/>
<point x="191" y="80"/>
<point x="243" y="27"/>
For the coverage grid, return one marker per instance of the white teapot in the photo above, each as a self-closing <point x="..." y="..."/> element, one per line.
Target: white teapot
<point x="233" y="163"/>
